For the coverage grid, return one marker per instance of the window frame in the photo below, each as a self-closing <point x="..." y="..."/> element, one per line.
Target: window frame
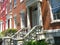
<point x="52" y="16"/>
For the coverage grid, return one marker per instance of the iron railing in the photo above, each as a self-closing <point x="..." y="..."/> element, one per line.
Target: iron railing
<point x="36" y="33"/>
<point x="26" y="34"/>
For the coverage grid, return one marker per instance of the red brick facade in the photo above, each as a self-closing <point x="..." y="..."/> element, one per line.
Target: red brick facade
<point x="16" y="12"/>
<point x="46" y="16"/>
<point x="45" y="10"/>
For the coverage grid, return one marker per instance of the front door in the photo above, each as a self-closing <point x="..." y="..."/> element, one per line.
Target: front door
<point x="35" y="16"/>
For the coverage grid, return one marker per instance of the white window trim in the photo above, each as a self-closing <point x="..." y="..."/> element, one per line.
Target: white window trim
<point x="1" y="26"/>
<point x="15" y="25"/>
<point x="41" y="0"/>
<point x="52" y="18"/>
<point x="21" y="1"/>
<point x="10" y="1"/>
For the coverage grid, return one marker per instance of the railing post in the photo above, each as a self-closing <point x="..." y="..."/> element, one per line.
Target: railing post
<point x="6" y="41"/>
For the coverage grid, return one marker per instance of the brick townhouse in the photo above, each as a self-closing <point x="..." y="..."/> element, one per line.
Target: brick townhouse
<point x="51" y="20"/>
<point x="16" y="14"/>
<point x="29" y="13"/>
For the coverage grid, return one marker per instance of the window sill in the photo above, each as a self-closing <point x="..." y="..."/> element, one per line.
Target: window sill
<point x="55" y="21"/>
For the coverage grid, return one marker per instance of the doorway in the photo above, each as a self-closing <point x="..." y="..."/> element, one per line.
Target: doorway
<point x="34" y="17"/>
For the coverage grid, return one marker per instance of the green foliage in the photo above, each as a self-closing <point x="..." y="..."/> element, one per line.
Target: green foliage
<point x="1" y="35"/>
<point x="33" y="42"/>
<point x="9" y="32"/>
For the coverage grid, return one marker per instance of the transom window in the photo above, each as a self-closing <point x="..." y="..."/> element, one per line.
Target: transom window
<point x="55" y="5"/>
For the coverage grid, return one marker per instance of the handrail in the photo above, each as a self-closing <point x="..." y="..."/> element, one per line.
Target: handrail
<point x="19" y="31"/>
<point x="32" y="30"/>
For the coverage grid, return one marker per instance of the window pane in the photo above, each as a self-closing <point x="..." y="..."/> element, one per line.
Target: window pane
<point x="55" y="4"/>
<point x="15" y="1"/>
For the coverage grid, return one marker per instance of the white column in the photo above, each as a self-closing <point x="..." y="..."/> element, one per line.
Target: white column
<point x="39" y="14"/>
<point x="22" y="26"/>
<point x="28" y="19"/>
<point x="14" y="24"/>
<point x="1" y="26"/>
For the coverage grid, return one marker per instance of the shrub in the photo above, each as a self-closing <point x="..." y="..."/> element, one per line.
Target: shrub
<point x="33" y="42"/>
<point x="9" y="32"/>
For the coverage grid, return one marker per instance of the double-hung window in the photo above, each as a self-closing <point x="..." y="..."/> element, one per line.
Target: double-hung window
<point x="55" y="6"/>
<point x="15" y="3"/>
<point x="22" y="14"/>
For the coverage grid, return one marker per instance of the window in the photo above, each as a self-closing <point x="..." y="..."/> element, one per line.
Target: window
<point x="10" y="6"/>
<point x="55" y="6"/>
<point x="15" y="2"/>
<point x="22" y="14"/>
